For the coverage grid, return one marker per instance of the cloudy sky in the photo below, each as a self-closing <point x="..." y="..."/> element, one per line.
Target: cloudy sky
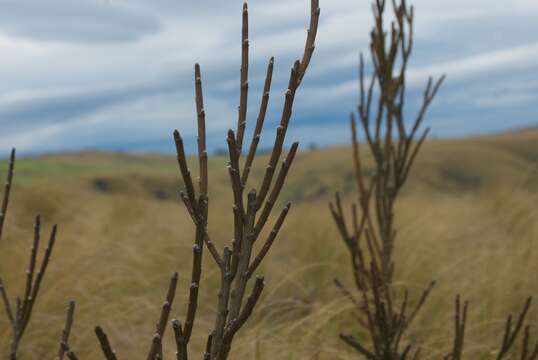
<point x="118" y="74"/>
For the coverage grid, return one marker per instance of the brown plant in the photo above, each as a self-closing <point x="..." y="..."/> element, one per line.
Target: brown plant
<point x="511" y="332"/>
<point x="65" y="350"/>
<point x="19" y="316"/>
<point x="251" y="213"/>
<point x="394" y="146"/>
<point x="371" y="240"/>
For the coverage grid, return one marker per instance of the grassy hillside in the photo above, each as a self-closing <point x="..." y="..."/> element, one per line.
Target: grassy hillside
<point x="467" y="219"/>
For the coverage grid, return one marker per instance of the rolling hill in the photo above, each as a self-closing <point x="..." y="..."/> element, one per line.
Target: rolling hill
<point x="467" y="219"/>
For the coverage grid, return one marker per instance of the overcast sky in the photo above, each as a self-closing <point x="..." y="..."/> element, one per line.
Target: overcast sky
<point x="118" y="74"/>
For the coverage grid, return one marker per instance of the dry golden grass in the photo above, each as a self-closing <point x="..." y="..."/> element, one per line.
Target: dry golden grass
<point x="467" y="219"/>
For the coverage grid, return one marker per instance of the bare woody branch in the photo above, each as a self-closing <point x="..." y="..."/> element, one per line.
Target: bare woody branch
<point x="105" y="344"/>
<point x="259" y="122"/>
<point x="7" y="191"/>
<point x="156" y="345"/>
<point x="243" y="98"/>
<point x="394" y="144"/>
<point x="460" y="322"/>
<point x="64" y="350"/>
<point x="506" y="349"/>
<point x="526" y="352"/>
<point x="235" y="264"/>
<point x="371" y="236"/>
<point x="155" y="351"/>
<point x="21" y="315"/>
<point x="251" y="210"/>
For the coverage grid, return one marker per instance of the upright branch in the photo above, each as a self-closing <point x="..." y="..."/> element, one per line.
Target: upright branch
<point x="507" y="346"/>
<point x="394" y="144"/>
<point x="251" y="211"/>
<point x="460" y="322"/>
<point x="65" y="350"/>
<point x="19" y="313"/>
<point x="155" y="348"/>
<point x="243" y="81"/>
<point x="385" y="322"/>
<point x="7" y="191"/>
<point x="19" y="316"/>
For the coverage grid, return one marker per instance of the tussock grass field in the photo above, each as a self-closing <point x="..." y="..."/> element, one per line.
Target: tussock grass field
<point x="467" y="219"/>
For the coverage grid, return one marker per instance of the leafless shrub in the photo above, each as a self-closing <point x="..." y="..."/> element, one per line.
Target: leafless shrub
<point x="237" y="264"/>
<point x="394" y="147"/>
<point x="511" y="331"/>
<point x="19" y="315"/>
<point x="371" y="240"/>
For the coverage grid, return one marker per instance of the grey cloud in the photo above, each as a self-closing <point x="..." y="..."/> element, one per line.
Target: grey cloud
<point x="60" y="108"/>
<point x="131" y="94"/>
<point x="79" y="21"/>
